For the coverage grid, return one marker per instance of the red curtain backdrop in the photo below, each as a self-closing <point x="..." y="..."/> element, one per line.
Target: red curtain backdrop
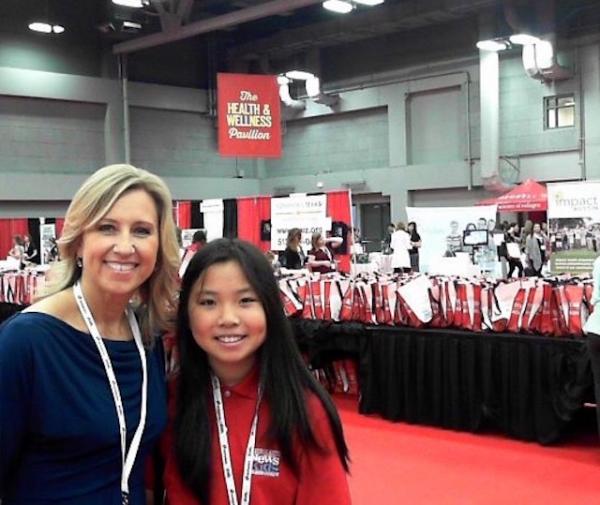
<point x="184" y="215"/>
<point x="338" y="209"/>
<point x="59" y="224"/>
<point x="251" y="211"/>
<point x="9" y="228"/>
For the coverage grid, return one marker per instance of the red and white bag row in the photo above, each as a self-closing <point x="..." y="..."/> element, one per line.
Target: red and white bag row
<point x="552" y="307"/>
<point x="19" y="287"/>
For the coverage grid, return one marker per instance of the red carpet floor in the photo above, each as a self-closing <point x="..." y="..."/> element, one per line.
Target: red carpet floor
<point x="398" y="463"/>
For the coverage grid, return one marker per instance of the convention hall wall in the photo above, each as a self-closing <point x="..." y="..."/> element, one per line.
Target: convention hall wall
<point x="410" y="127"/>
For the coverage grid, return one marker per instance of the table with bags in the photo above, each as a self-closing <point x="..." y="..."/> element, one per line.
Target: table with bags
<point x="491" y="355"/>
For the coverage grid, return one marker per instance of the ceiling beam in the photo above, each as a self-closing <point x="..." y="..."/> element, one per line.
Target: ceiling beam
<point x="234" y="18"/>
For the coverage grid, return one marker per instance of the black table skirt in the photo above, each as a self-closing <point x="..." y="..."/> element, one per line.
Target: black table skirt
<point x="527" y="387"/>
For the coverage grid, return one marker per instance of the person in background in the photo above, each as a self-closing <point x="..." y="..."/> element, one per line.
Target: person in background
<point x="243" y="388"/>
<point x="31" y="253"/>
<point x="79" y="367"/>
<point x="525" y="232"/>
<point x="401" y="245"/>
<point x="52" y="251"/>
<point x="415" y="242"/>
<point x="387" y="240"/>
<point x="512" y="236"/>
<point x="592" y="331"/>
<point x="293" y="257"/>
<point x="273" y="260"/>
<point x="198" y="242"/>
<point x="535" y="251"/>
<point x="320" y="257"/>
<point x="18" y="250"/>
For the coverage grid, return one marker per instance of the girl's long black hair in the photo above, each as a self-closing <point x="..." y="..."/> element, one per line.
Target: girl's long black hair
<point x="284" y="376"/>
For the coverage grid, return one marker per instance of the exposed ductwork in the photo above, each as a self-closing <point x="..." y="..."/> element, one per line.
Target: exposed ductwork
<point x="235" y="18"/>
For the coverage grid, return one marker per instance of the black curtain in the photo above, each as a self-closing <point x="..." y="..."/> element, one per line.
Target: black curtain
<point x="197" y="216"/>
<point x="33" y="224"/>
<point x="230" y="218"/>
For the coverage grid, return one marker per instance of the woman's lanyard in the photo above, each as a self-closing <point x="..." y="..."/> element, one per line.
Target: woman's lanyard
<point x="226" y="454"/>
<point x="127" y="457"/>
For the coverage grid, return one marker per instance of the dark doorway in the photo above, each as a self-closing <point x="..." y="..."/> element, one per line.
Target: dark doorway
<point x="374" y="218"/>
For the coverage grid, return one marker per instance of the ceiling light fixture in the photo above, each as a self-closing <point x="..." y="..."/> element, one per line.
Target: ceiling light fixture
<point x="494" y="45"/>
<point x="523" y="39"/>
<point x="133" y="4"/>
<point x="42" y="27"/>
<point x="299" y="75"/>
<point x="369" y="2"/>
<point x="338" y="6"/>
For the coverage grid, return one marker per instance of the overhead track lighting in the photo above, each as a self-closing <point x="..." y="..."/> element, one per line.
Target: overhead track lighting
<point x="134" y="4"/>
<point x="369" y="2"/>
<point x="42" y="27"/>
<point x="339" y="6"/>
<point x="494" y="45"/>
<point x="299" y="75"/>
<point x="523" y="39"/>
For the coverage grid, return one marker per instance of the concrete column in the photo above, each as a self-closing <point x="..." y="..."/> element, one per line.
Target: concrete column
<point x="489" y="83"/>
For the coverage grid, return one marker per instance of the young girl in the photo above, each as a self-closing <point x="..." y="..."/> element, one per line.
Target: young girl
<point x="249" y="423"/>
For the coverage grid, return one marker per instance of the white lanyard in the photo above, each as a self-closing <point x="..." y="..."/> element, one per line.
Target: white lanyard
<point x="224" y="444"/>
<point x="127" y="457"/>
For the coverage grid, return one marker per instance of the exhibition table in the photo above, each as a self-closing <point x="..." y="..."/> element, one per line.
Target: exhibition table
<point x="528" y="387"/>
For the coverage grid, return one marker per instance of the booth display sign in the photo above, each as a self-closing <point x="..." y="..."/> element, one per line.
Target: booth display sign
<point x="464" y="233"/>
<point x="574" y="226"/>
<point x="249" y="115"/>
<point x="298" y="211"/>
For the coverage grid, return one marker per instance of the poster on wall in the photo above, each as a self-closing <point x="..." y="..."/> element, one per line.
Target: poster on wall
<point x="213" y="217"/>
<point x="249" y="115"/>
<point x="298" y="211"/>
<point x="48" y="247"/>
<point x="574" y="226"/>
<point x="455" y="232"/>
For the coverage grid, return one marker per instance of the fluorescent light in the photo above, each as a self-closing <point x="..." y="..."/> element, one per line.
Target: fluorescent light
<point x="38" y="26"/>
<point x="523" y="39"/>
<point x="339" y="6"/>
<point x="313" y="87"/>
<point x="134" y="4"/>
<point x="369" y="2"/>
<point x="492" y="45"/>
<point x="299" y="75"/>
<point x="544" y="54"/>
<point x="58" y="28"/>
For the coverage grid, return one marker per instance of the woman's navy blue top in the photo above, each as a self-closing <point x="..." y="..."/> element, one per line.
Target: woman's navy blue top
<point x="59" y="431"/>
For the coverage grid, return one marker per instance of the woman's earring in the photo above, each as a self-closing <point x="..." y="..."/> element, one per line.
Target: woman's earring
<point x="79" y="262"/>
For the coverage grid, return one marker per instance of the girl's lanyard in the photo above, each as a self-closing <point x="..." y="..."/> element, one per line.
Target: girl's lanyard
<point x="225" y="453"/>
<point x="127" y="457"/>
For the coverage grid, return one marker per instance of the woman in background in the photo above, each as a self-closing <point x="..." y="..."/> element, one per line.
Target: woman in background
<point x="415" y="242"/>
<point x="293" y="257"/>
<point x="535" y="251"/>
<point x="320" y="257"/>
<point x="400" y="245"/>
<point x="18" y="250"/>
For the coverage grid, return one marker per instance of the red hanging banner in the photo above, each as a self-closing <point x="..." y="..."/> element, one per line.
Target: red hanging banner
<point x="249" y="115"/>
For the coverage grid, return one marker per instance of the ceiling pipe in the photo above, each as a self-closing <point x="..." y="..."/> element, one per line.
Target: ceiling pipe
<point x="235" y="18"/>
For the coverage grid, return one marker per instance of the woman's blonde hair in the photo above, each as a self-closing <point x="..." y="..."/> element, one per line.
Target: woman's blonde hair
<point x="314" y="240"/>
<point x="90" y="204"/>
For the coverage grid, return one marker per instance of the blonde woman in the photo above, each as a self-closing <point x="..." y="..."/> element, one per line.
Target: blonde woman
<point x="83" y="394"/>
